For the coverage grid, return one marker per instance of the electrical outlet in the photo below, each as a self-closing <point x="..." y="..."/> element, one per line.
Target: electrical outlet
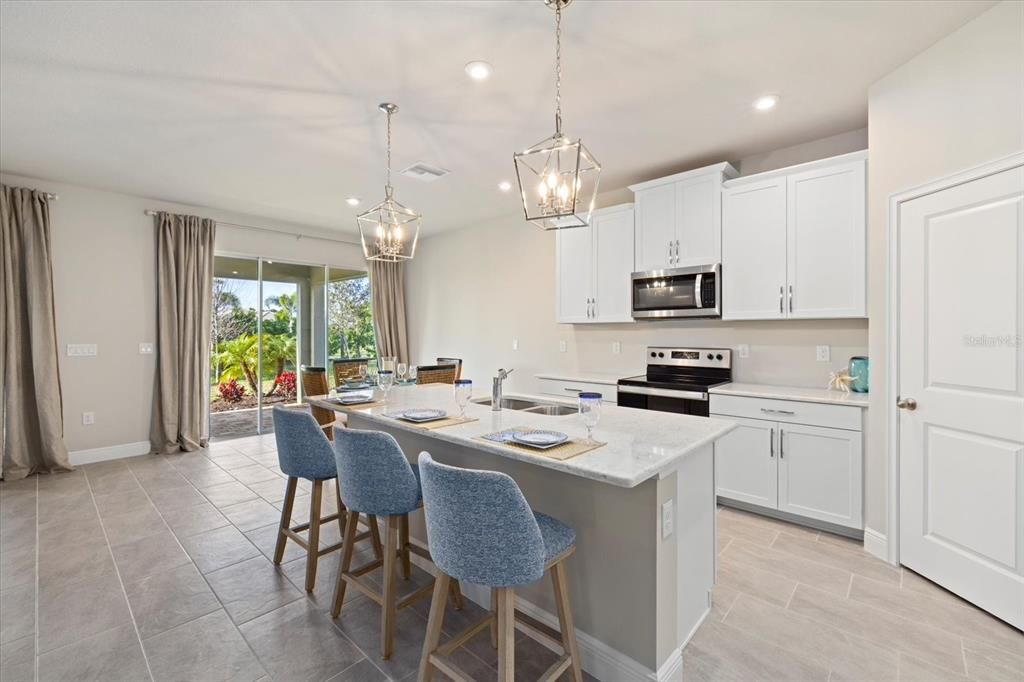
<point x="744" y="350"/>
<point x="515" y="344"/>
<point x="667" y="520"/>
<point x="824" y="354"/>
<point x="88" y="418"/>
<point x="616" y="347"/>
<point x="562" y="347"/>
<point x="145" y="349"/>
<point x="81" y="349"/>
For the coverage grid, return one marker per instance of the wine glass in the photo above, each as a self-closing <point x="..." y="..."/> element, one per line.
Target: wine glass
<point x="362" y="370"/>
<point x="385" y="378"/>
<point x="412" y="373"/>
<point x="400" y="368"/>
<point x="590" y="412"/>
<point x="463" y="392"/>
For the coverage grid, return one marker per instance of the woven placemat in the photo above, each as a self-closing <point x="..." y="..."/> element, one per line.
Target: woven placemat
<point x="359" y="406"/>
<point x="571" y="448"/>
<point x="437" y="423"/>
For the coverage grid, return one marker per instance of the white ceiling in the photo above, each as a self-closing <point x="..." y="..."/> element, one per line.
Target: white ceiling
<point x="271" y="108"/>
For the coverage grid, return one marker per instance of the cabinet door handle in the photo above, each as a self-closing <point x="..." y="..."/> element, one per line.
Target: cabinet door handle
<point x="782" y="452"/>
<point x="769" y="410"/>
<point x="677" y="252"/>
<point x="573" y="390"/>
<point x="790" y="298"/>
<point x="593" y="308"/>
<point x="670" y="252"/>
<point x="780" y="300"/>
<point x="771" y="444"/>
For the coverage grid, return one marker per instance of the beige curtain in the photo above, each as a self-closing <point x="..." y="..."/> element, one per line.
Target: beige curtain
<point x="184" y="293"/>
<point x="387" y="290"/>
<point x="31" y="424"/>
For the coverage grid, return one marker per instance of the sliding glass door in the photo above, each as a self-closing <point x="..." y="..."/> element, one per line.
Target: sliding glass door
<point x="272" y="318"/>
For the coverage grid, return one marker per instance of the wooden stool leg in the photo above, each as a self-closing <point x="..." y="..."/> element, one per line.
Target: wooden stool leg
<point x="506" y="634"/>
<point x="371" y="521"/>
<point x="456" y="593"/>
<point x="341" y="507"/>
<point x="286" y="518"/>
<point x="387" y="620"/>
<point x="434" y="624"/>
<point x="348" y="546"/>
<point x="560" y="581"/>
<point x="313" y="539"/>
<point x="403" y="545"/>
<point x="494" y="612"/>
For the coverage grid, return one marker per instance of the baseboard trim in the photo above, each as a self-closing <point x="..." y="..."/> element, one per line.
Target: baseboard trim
<point x="597" y="658"/>
<point x="876" y="544"/>
<point x="79" y="457"/>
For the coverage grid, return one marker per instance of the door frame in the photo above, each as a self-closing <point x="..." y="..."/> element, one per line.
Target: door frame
<point x="892" y="339"/>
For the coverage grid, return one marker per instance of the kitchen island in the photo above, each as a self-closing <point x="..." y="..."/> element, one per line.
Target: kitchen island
<point x="643" y="506"/>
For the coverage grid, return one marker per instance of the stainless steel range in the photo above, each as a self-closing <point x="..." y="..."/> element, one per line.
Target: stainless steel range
<point x="677" y="380"/>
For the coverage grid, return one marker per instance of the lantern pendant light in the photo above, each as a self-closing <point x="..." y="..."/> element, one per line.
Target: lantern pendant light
<point x="389" y="231"/>
<point x="558" y="177"/>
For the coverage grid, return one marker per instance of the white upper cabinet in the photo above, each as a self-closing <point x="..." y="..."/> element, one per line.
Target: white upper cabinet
<point x="678" y="219"/>
<point x="594" y="265"/>
<point x="794" y="242"/>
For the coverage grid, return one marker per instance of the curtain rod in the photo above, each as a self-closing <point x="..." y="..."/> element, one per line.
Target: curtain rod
<point x="151" y="212"/>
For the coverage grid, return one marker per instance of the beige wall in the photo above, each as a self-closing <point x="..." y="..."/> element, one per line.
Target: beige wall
<point x="471" y="292"/>
<point x="105" y="292"/>
<point x="956" y="105"/>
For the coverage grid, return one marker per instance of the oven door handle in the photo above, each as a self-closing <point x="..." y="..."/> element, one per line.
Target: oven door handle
<point x="664" y="393"/>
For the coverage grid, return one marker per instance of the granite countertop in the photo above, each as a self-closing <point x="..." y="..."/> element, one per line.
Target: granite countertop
<point x="797" y="393"/>
<point x="641" y="444"/>
<point x="589" y="377"/>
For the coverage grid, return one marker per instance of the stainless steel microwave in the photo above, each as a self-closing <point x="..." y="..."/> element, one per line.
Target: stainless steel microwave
<point x="678" y="292"/>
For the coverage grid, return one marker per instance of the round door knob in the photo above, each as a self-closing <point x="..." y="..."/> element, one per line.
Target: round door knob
<point x="907" y="404"/>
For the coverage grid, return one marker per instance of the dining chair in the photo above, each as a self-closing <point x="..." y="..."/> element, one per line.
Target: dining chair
<point x="452" y="361"/>
<point x="348" y="368"/>
<point x="314" y="382"/>
<point x="436" y="374"/>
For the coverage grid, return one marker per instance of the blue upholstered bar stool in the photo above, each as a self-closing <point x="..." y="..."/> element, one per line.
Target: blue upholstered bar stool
<point x="303" y="451"/>
<point x="481" y="529"/>
<point x="376" y="479"/>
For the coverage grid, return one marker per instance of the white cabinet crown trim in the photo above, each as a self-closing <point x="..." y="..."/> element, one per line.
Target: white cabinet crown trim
<point x="861" y="155"/>
<point x="725" y="168"/>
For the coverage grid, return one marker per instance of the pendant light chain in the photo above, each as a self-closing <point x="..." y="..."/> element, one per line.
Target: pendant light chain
<point x="558" y="68"/>
<point x="387" y="184"/>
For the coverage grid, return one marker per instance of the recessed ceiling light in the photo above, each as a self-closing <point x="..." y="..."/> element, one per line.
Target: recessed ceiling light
<point x="504" y="185"/>
<point x="234" y="272"/>
<point x="479" y="71"/>
<point x="352" y="201"/>
<point x="766" y="103"/>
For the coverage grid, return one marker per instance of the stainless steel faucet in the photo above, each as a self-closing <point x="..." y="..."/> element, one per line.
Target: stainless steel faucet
<point x="496" y="389"/>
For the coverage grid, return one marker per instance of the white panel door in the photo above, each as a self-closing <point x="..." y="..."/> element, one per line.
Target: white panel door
<point x="575" y="258"/>
<point x="820" y="473"/>
<point x="698" y="222"/>
<point x="655" y="227"/>
<point x="826" y="239"/>
<point x="754" y="251"/>
<point x="746" y="464"/>
<point x="961" y="358"/>
<point x="613" y="264"/>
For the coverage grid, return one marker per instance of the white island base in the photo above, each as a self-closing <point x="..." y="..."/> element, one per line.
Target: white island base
<point x="644" y="567"/>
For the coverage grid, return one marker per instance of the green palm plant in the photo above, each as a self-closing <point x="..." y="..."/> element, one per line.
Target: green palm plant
<point x="238" y="358"/>
<point x="278" y="348"/>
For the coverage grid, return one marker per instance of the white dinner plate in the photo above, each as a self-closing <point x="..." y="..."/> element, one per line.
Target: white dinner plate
<point x="423" y="415"/>
<point x="540" y="439"/>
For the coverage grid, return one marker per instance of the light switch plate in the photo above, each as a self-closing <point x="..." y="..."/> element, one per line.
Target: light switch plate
<point x="82" y="349"/>
<point x="824" y="354"/>
<point x="88" y="418"/>
<point x="616" y="347"/>
<point x="562" y="346"/>
<point x="744" y="350"/>
<point x="667" y="520"/>
<point x="515" y="344"/>
<point x="145" y="349"/>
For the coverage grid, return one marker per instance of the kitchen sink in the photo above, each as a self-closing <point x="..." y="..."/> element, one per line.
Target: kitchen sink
<point x="533" y="406"/>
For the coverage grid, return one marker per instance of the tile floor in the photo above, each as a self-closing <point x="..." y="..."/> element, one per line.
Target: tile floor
<point x="157" y="568"/>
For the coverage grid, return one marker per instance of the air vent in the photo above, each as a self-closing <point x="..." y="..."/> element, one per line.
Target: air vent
<point x="424" y="172"/>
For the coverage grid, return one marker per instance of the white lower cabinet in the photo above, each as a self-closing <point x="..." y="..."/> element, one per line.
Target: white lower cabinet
<point x="811" y="470"/>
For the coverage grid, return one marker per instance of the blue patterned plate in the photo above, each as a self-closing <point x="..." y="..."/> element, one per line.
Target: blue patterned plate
<point x="422" y="415"/>
<point x="540" y="439"/>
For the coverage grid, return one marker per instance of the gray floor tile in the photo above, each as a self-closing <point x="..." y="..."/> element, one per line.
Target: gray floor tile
<point x="271" y="490"/>
<point x="71" y="612"/>
<point x="311" y="650"/>
<point x="360" y="621"/>
<point x="990" y="661"/>
<point x="18" y="526"/>
<point x="167" y="499"/>
<point x="226" y="494"/>
<point x="75" y="528"/>
<point x="206" y="477"/>
<point x="113" y="481"/>
<point x="186" y="521"/>
<point x="67" y="564"/>
<point x="17" y="567"/>
<point x="218" y="548"/>
<point x="169" y="598"/>
<point x="17" y="613"/>
<point x="235" y="461"/>
<point x="254" y="474"/>
<point x="134" y="525"/>
<point x="112" y="655"/>
<point x="148" y="556"/>
<point x="363" y="671"/>
<point x="252" y="588"/>
<point x="853" y="562"/>
<point x="916" y="670"/>
<point x="121" y="502"/>
<point x="326" y="577"/>
<point x="828" y="578"/>
<point x="725" y="653"/>
<point x="265" y="539"/>
<point x="254" y="513"/>
<point x="18" y="661"/>
<point x="208" y="648"/>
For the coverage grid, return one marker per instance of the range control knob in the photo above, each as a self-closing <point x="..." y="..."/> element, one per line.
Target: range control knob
<point x="653" y="354"/>
<point x="661" y="355"/>
<point x="718" y="357"/>
<point x="710" y="356"/>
